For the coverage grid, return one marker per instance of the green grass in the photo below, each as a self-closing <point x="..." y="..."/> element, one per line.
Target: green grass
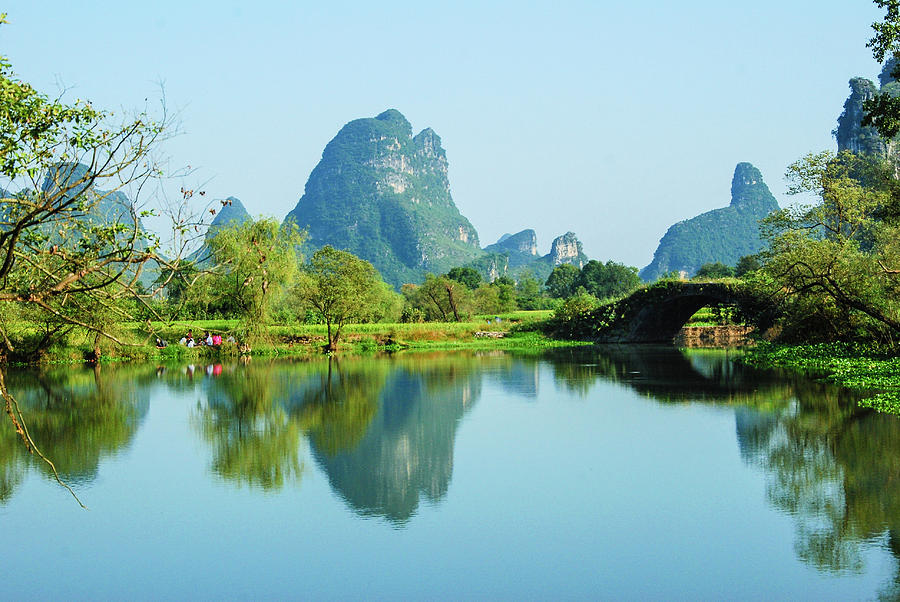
<point x="304" y="339"/>
<point x="707" y="316"/>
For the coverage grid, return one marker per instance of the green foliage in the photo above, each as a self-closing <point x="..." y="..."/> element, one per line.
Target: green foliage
<point x="506" y="294"/>
<point x="343" y="288"/>
<point x="857" y="365"/>
<point x="175" y="279"/>
<point x="608" y="280"/>
<point x="832" y="263"/>
<point x="71" y="243"/>
<point x="562" y="281"/>
<point x="528" y="293"/>
<point x="440" y="299"/>
<point x="466" y="275"/>
<point x="570" y="317"/>
<point x="714" y="270"/>
<point x="256" y="263"/>
<point x="746" y="265"/>
<point x="883" y="109"/>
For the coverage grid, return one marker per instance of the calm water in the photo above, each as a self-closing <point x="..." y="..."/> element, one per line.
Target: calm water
<point x="622" y="474"/>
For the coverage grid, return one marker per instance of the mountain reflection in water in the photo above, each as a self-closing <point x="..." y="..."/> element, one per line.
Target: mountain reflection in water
<point x="383" y="429"/>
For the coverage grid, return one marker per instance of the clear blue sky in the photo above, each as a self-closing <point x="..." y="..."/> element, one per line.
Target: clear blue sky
<point x="610" y="119"/>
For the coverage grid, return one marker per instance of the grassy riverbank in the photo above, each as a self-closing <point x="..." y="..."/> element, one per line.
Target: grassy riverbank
<point x="859" y="366"/>
<point x="512" y="331"/>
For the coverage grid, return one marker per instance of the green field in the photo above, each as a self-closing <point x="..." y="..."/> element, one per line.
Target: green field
<point x="138" y="339"/>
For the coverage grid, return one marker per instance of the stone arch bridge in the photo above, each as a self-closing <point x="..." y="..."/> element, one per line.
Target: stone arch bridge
<point x="657" y="313"/>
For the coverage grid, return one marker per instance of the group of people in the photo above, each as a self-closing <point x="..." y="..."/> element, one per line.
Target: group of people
<point x="208" y="339"/>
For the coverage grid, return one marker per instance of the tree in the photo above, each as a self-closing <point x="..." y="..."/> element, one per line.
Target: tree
<point x="610" y="279"/>
<point x="342" y="287"/>
<point x="71" y="244"/>
<point x="528" y="292"/>
<point x="443" y="298"/>
<point x="466" y="275"/>
<point x="746" y="265"/>
<point x="883" y="110"/>
<point x="562" y="281"/>
<point x="506" y="293"/>
<point x="715" y="269"/>
<point x="176" y="279"/>
<point x="494" y="298"/>
<point x="836" y="263"/>
<point x="255" y="263"/>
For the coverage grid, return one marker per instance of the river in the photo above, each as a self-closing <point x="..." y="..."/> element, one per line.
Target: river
<point x="612" y="473"/>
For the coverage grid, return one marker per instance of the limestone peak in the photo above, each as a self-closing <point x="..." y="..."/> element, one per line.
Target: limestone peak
<point x="748" y="188"/>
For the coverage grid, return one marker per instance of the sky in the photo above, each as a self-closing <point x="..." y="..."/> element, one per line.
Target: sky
<point x="613" y="120"/>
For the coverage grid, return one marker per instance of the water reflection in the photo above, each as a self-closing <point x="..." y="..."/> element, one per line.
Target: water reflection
<point x="834" y="469"/>
<point x="77" y="416"/>
<point x="383" y="430"/>
<point x="668" y="375"/>
<point x="407" y="450"/>
<point x="253" y="438"/>
<point x="256" y="414"/>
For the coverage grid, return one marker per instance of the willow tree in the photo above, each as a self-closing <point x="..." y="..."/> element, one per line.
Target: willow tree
<point x="255" y="264"/>
<point x="71" y="243"/>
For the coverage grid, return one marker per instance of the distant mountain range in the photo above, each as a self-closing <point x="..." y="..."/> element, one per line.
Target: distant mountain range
<point x="383" y="194"/>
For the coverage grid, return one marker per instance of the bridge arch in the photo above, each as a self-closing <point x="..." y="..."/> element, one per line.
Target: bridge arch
<point x="657" y="313"/>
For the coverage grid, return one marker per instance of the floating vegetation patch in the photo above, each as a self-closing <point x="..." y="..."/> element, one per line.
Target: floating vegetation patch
<point x="855" y="365"/>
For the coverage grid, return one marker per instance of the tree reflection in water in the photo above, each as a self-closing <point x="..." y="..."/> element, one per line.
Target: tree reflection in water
<point x="383" y="429"/>
<point x="830" y="465"/>
<point x="78" y="417"/>
<point x="834" y="468"/>
<point x="254" y="440"/>
<point x="257" y="414"/>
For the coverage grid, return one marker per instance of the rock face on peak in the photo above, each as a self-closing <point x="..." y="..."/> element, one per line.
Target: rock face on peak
<point x="567" y="249"/>
<point x="384" y="195"/>
<point x="724" y="234"/>
<point x="517" y="254"/>
<point x="886" y="76"/>
<point x="748" y="191"/>
<point x="850" y="133"/>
